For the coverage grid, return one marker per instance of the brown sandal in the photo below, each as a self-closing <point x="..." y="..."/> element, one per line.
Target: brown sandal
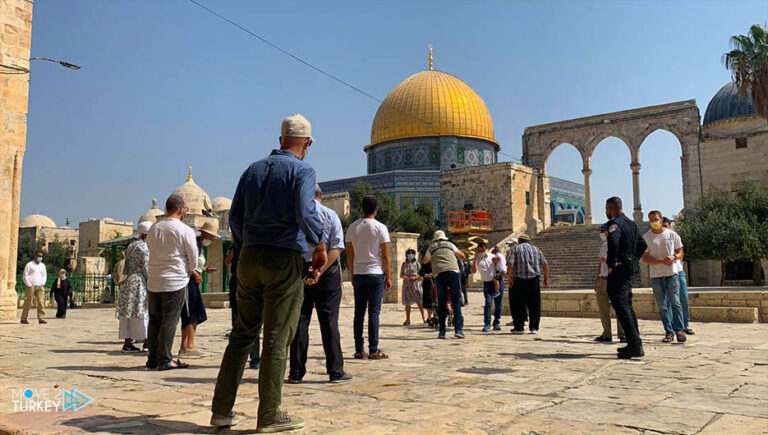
<point x="361" y="355"/>
<point x="378" y="355"/>
<point x="669" y="338"/>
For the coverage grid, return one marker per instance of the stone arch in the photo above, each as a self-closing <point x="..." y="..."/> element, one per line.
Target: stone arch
<point x="631" y="127"/>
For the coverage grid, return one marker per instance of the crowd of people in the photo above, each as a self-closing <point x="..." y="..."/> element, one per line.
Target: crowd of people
<point x="285" y="264"/>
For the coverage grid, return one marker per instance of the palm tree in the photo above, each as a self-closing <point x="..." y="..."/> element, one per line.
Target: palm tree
<point x="748" y="61"/>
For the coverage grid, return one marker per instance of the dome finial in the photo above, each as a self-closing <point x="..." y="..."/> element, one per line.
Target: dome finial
<point x="154" y="202"/>
<point x="431" y="59"/>
<point x="189" y="177"/>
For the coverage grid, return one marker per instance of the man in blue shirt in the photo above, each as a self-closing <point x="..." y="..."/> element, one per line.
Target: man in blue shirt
<point x="324" y="295"/>
<point x="272" y="218"/>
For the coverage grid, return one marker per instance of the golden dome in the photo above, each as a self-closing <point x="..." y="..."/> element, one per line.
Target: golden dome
<point x="432" y="103"/>
<point x="37" y="220"/>
<point x="195" y="198"/>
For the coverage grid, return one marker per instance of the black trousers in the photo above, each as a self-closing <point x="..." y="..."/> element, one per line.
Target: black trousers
<point x="61" y="304"/>
<point x="525" y="295"/>
<point x="325" y="297"/>
<point x="620" y="295"/>
<point x="164" y="314"/>
<point x="256" y="349"/>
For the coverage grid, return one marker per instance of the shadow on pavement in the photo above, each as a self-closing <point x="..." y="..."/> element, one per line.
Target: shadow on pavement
<point x="137" y="425"/>
<point x="558" y="356"/>
<point x="140" y="368"/>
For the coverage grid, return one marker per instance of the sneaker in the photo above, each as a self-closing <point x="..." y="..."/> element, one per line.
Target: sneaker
<point x="131" y="349"/>
<point x="219" y="421"/>
<point x="24" y="322"/>
<point x="254" y="365"/>
<point x="486" y="328"/>
<point x="496" y="328"/>
<point x="283" y="423"/>
<point x="441" y="335"/>
<point x="601" y="339"/>
<point x="345" y="377"/>
<point x="533" y="331"/>
<point x="42" y="322"/>
<point x="631" y="353"/>
<point x="518" y="331"/>
<point x="459" y="334"/>
<point x="292" y="380"/>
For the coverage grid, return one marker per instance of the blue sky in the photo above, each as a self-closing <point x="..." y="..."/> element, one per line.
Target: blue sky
<point x="165" y="85"/>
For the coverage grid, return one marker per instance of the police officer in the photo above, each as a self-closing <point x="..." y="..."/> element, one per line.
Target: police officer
<point x="625" y="247"/>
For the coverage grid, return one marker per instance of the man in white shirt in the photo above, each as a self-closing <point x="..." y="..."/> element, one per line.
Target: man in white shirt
<point x="172" y="260"/>
<point x="367" y="242"/>
<point x="664" y="248"/>
<point x="487" y="264"/>
<point x="34" y="278"/>
<point x="683" y="281"/>
<point x="601" y="293"/>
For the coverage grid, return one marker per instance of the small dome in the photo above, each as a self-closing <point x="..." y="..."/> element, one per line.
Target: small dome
<point x="37" y="220"/>
<point x="220" y="204"/>
<point x="152" y="214"/>
<point x="728" y="104"/>
<point x="432" y="103"/>
<point x="195" y="198"/>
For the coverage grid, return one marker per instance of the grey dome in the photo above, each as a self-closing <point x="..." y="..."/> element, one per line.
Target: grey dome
<point x="727" y="104"/>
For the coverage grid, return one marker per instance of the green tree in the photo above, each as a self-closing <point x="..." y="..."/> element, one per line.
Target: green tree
<point x="728" y="226"/>
<point x="56" y="254"/>
<point x="27" y="248"/>
<point x="748" y="62"/>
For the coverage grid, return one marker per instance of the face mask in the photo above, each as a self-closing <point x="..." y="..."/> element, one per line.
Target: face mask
<point x="410" y="256"/>
<point x="62" y="276"/>
<point x="39" y="259"/>
<point x="603" y="237"/>
<point x="656" y="225"/>
<point x="206" y="242"/>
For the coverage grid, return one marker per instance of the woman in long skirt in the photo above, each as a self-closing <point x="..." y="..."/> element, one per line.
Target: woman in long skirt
<point x="132" y="309"/>
<point x="412" y="292"/>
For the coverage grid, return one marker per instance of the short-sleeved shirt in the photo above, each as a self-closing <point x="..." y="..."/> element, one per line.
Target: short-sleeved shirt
<point x="332" y="231"/>
<point x="366" y="236"/>
<point x="603" y="257"/>
<point x="527" y="261"/>
<point x="485" y="266"/>
<point x="442" y="254"/>
<point x="501" y="265"/>
<point x="660" y="246"/>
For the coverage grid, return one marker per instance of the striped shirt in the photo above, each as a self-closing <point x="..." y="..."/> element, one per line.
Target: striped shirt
<point x="527" y="261"/>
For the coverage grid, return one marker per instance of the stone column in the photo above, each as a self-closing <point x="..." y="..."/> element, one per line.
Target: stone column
<point x="637" y="214"/>
<point x="16" y="37"/>
<point x="398" y="244"/>
<point x="587" y="196"/>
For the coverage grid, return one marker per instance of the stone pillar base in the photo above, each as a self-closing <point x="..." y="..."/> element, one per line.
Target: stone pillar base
<point x="8" y="302"/>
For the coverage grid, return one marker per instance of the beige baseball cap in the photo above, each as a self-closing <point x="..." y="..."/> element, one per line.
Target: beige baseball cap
<point x="296" y="126"/>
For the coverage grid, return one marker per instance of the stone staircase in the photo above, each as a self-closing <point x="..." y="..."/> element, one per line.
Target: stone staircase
<point x="572" y="254"/>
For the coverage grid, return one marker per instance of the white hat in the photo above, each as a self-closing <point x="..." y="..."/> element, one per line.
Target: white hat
<point x="439" y="235"/>
<point x="296" y="126"/>
<point x="143" y="227"/>
<point x="512" y="240"/>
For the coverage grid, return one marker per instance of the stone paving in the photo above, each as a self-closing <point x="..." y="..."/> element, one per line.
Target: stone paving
<point x="559" y="381"/>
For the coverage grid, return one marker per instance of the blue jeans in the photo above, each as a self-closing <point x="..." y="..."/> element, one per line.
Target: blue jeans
<point x="683" y="281"/>
<point x="667" y="290"/>
<point x="369" y="291"/>
<point x="488" y="290"/>
<point x="445" y="282"/>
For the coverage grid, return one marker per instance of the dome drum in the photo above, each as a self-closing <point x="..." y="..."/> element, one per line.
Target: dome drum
<point x="434" y="153"/>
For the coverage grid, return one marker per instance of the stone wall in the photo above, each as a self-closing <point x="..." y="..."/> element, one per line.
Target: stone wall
<point x="94" y="231"/>
<point x="338" y="202"/>
<point x="15" y="43"/>
<point x="707" y="306"/>
<point x="399" y="243"/>
<point x="215" y="258"/>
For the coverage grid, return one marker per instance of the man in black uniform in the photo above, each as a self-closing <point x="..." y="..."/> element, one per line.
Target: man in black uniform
<point x="625" y="247"/>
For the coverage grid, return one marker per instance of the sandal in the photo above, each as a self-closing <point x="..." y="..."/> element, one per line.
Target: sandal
<point x="378" y="355"/>
<point x="171" y="366"/>
<point x="361" y="355"/>
<point x="668" y="338"/>
<point x="407" y="323"/>
<point x="690" y="331"/>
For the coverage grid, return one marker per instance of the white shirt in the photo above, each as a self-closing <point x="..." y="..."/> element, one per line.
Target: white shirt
<point x="172" y="255"/>
<point x="366" y="236"/>
<point x="331" y="229"/>
<point x="34" y="274"/>
<point x="501" y="266"/>
<point x="603" y="258"/>
<point x="677" y="266"/>
<point x="485" y="266"/>
<point x="661" y="246"/>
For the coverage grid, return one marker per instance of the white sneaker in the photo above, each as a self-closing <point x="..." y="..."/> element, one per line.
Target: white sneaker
<point x="533" y="331"/>
<point x="219" y="421"/>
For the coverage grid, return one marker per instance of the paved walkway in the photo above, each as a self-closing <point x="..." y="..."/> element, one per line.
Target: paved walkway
<point x="557" y="382"/>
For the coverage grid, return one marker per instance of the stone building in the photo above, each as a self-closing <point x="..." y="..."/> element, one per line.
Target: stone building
<point x="41" y="227"/>
<point x="91" y="233"/>
<point x="15" y="43"/>
<point x="430" y="123"/>
<point x="338" y="202"/>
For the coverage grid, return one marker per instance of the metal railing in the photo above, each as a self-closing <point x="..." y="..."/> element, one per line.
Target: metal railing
<point x="85" y="288"/>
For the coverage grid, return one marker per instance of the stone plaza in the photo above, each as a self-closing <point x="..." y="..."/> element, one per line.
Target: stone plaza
<point x="559" y="381"/>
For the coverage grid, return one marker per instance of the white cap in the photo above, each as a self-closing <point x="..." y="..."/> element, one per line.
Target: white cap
<point x="143" y="227"/>
<point x="296" y="126"/>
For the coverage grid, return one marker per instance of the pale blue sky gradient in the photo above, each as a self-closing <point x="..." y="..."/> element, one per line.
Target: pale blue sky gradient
<point x="165" y="85"/>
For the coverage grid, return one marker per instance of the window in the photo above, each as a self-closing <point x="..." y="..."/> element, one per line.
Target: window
<point x="468" y="206"/>
<point x="527" y="198"/>
<point x="741" y="142"/>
